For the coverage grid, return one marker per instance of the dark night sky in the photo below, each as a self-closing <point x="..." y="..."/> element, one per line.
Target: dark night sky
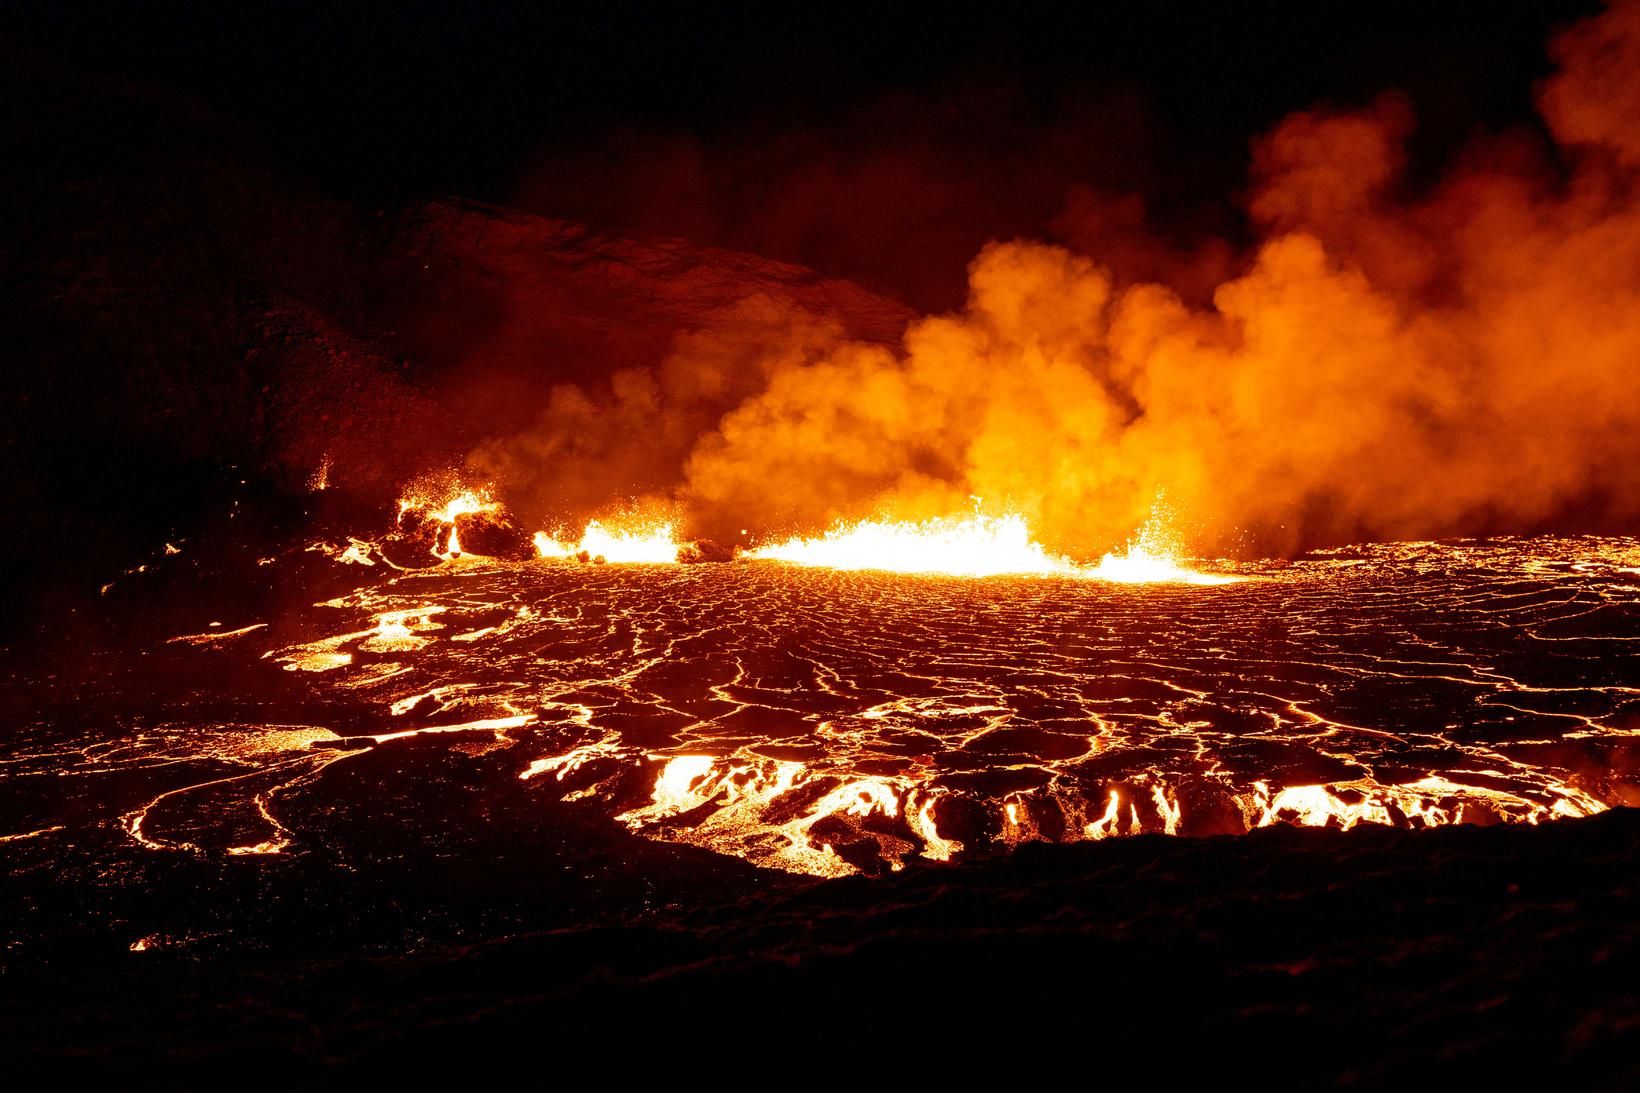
<point x="392" y="102"/>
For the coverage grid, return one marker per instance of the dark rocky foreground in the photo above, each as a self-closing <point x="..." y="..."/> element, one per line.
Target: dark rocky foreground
<point x="1285" y="958"/>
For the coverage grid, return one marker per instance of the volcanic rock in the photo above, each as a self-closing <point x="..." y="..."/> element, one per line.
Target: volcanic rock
<point x="705" y="550"/>
<point x="485" y="535"/>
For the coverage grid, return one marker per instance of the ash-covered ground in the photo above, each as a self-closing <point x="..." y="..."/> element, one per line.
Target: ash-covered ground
<point x="375" y="820"/>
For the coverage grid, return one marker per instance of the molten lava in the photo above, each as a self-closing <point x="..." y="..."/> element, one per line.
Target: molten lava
<point x="1152" y="556"/>
<point x="986" y="546"/>
<point x="824" y="722"/>
<point x="650" y="543"/>
<point x="453" y="506"/>
<point x="443" y="501"/>
<point x="971" y="546"/>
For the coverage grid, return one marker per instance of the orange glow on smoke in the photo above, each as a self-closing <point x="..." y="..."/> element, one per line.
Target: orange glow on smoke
<point x="1392" y="358"/>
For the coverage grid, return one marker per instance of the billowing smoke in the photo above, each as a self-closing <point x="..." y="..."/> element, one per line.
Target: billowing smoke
<point x="626" y="448"/>
<point x="1383" y="363"/>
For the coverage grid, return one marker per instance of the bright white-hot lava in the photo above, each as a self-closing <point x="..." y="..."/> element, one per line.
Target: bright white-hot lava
<point x="1152" y="556"/>
<point x="986" y="546"/>
<point x="643" y="544"/>
<point x="446" y="500"/>
<point x="752" y="814"/>
<point x="970" y="546"/>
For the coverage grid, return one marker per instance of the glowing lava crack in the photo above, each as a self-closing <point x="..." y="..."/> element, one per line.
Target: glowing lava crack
<point x="827" y="720"/>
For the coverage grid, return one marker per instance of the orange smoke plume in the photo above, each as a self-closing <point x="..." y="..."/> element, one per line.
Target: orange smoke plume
<point x="1386" y="364"/>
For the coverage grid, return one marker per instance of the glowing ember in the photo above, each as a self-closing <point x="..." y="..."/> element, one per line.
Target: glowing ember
<point x="319" y="481"/>
<point x="970" y="546"/>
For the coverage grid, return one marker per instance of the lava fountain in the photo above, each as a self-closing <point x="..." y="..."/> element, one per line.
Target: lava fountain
<point x="969" y="546"/>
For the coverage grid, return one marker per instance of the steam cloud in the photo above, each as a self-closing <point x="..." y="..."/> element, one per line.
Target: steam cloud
<point x="1460" y="360"/>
